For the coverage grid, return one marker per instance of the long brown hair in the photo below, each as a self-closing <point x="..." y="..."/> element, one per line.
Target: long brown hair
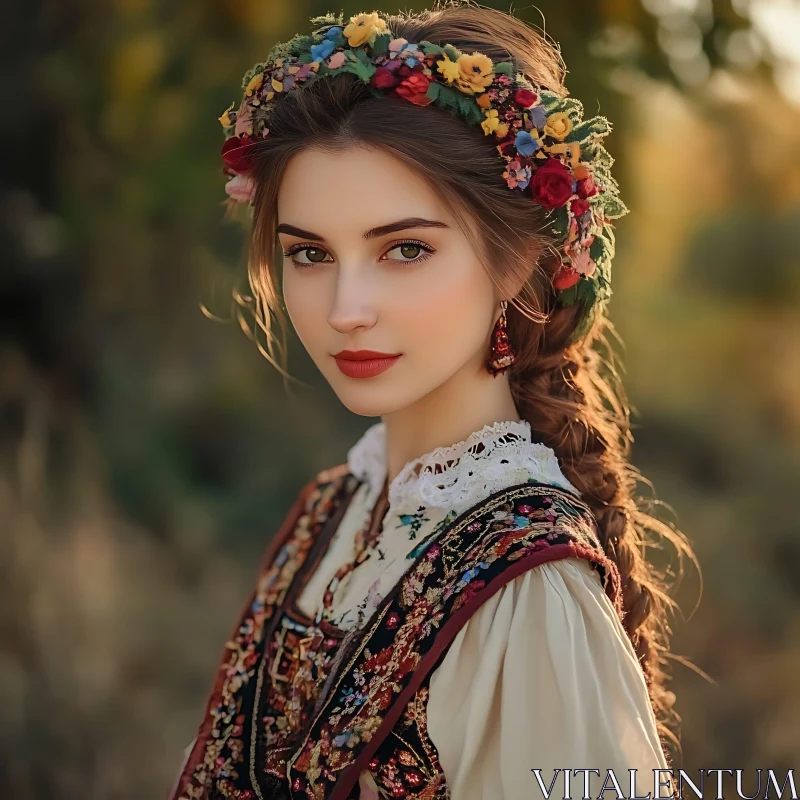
<point x="570" y="393"/>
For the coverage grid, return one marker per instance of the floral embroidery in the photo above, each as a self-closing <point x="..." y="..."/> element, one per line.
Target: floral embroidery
<point x="297" y="714"/>
<point x="388" y="660"/>
<point x="222" y="758"/>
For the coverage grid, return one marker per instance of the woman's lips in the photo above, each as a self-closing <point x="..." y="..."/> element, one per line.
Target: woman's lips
<point x="364" y="367"/>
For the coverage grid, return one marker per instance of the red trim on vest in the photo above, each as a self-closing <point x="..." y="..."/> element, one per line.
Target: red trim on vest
<point x="448" y="632"/>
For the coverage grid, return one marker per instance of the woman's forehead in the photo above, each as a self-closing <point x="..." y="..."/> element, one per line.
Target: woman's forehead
<point x="352" y="191"/>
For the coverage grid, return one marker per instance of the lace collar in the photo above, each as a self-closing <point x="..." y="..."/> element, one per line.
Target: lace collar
<point x="458" y="476"/>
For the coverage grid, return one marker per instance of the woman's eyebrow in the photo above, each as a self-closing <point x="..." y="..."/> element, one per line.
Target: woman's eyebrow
<point x="372" y="233"/>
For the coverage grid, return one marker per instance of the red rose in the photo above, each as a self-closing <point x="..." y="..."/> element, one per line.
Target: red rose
<point x="384" y="78"/>
<point x="579" y="207"/>
<point x="551" y="185"/>
<point x="566" y="277"/>
<point x="237" y="153"/>
<point x="586" y="188"/>
<point x="525" y="98"/>
<point x="414" y="87"/>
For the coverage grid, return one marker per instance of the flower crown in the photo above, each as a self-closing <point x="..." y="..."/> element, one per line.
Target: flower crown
<point x="550" y="153"/>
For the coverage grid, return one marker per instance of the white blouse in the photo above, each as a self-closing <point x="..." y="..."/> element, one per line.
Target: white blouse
<point x="543" y="674"/>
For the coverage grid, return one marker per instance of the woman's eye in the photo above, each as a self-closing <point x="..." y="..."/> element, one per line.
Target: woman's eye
<point x="314" y="255"/>
<point x="411" y="252"/>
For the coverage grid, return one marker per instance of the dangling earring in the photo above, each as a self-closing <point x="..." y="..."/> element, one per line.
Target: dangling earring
<point x="501" y="356"/>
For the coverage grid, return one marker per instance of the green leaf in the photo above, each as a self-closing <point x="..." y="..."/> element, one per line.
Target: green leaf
<point x="431" y="49"/>
<point x="586" y="290"/>
<point x="326" y="20"/>
<point x="559" y="221"/>
<point x="597" y="126"/>
<point x="452" y="53"/>
<point x="469" y="109"/>
<point x="300" y="43"/>
<point x="599" y="249"/>
<point x="613" y="207"/>
<point x="569" y="105"/>
<point x="504" y="68"/>
<point x="362" y="66"/>
<point x="381" y="45"/>
<point x="568" y="297"/>
<point x="433" y="90"/>
<point x="448" y="97"/>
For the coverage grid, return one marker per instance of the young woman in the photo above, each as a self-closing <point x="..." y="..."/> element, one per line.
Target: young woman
<point x="462" y="609"/>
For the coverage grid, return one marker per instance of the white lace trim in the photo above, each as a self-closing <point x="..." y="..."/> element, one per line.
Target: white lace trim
<point x="459" y="475"/>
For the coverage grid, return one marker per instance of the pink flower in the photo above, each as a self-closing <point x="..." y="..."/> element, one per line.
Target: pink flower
<point x="241" y="188"/>
<point x="582" y="262"/>
<point x="586" y="188"/>
<point x="336" y="60"/>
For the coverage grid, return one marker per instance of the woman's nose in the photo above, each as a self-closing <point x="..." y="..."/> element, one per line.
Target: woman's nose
<point x="353" y="304"/>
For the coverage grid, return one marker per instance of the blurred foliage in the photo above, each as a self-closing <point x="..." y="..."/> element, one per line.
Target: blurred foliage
<point x="148" y="452"/>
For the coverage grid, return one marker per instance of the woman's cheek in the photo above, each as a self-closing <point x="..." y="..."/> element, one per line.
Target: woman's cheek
<point x="307" y="312"/>
<point x="446" y="325"/>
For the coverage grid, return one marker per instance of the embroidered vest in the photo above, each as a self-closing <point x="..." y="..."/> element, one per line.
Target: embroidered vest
<point x="292" y="715"/>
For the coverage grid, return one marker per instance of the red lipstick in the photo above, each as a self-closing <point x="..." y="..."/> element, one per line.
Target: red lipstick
<point x="364" y="363"/>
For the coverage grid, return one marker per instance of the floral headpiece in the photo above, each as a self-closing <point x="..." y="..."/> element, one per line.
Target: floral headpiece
<point x="550" y="153"/>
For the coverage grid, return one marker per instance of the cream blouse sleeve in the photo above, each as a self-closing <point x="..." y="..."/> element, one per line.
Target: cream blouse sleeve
<point x="542" y="675"/>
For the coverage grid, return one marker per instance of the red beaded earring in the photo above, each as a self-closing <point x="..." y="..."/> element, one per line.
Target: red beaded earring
<point x="501" y="356"/>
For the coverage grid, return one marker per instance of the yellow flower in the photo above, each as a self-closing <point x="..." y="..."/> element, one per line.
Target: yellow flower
<point x="225" y="120"/>
<point x="475" y="73"/>
<point x="492" y="124"/>
<point x="449" y="69"/>
<point x="571" y="151"/>
<point x="255" y="84"/>
<point x="364" y="28"/>
<point x="558" y="126"/>
<point x="277" y="85"/>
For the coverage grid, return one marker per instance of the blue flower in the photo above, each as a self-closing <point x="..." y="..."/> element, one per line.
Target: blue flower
<point x="473" y="571"/>
<point x="526" y="145"/>
<point x="469" y="574"/>
<point x="538" y="116"/>
<point x="342" y="739"/>
<point x="404" y="51"/>
<point x="332" y="32"/>
<point x="319" y="52"/>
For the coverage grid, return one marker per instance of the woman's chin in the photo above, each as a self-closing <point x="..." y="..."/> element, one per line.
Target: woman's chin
<point x="370" y="397"/>
<point x="369" y="404"/>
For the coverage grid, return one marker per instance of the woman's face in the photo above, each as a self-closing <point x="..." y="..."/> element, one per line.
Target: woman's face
<point x="375" y="261"/>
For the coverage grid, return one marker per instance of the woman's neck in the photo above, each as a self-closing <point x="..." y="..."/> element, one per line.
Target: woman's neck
<point x="449" y="414"/>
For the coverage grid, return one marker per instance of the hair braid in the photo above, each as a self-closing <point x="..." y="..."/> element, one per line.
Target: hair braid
<point x="560" y="389"/>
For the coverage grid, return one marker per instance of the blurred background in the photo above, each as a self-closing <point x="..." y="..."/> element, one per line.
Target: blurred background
<point x="148" y="452"/>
